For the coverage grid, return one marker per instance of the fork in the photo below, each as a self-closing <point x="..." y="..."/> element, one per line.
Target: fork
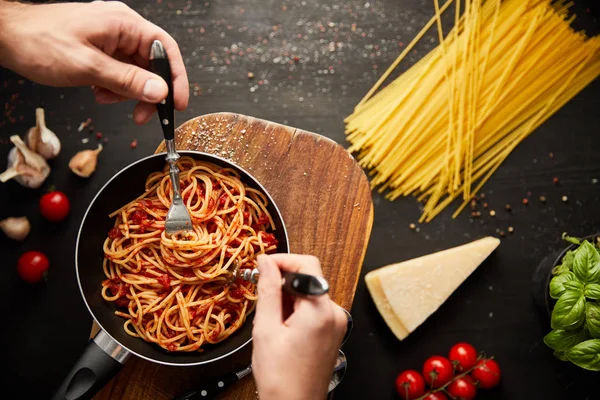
<point x="178" y="217"/>
<point x="294" y="283"/>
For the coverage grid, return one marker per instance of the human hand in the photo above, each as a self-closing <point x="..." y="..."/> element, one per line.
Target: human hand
<point x="102" y="44"/>
<point x="295" y="340"/>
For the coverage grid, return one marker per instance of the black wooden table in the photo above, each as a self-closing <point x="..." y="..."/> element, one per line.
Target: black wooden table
<point x="312" y="61"/>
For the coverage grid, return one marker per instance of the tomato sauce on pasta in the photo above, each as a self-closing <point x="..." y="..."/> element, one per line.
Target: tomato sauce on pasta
<point x="172" y="290"/>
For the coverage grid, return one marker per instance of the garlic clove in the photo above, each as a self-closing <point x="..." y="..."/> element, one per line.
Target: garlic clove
<point x="84" y="163"/>
<point x="41" y="139"/>
<point x="16" y="228"/>
<point x="25" y="166"/>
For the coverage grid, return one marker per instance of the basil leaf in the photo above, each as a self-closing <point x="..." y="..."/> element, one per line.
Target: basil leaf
<point x="569" y="311"/>
<point x="571" y="239"/>
<point x="557" y="284"/>
<point x="560" y="269"/>
<point x="586" y="263"/>
<point x="592" y="291"/>
<point x="561" y="340"/>
<point x="592" y="316"/>
<point x="585" y="355"/>
<point x="574" y="285"/>
<point x="568" y="258"/>
<point x="560" y="355"/>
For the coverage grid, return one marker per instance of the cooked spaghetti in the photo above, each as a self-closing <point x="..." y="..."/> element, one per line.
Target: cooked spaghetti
<point x="173" y="290"/>
<point x="443" y="127"/>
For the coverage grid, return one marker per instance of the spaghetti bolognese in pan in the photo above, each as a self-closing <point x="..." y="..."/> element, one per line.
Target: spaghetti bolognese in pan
<point x="171" y="289"/>
<point x="110" y="348"/>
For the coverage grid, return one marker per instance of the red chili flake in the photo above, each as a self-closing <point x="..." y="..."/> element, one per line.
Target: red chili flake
<point x="115" y="233"/>
<point x="98" y="135"/>
<point x="164" y="280"/>
<point x="555" y="180"/>
<point x="133" y="143"/>
<point x="246" y="215"/>
<point x="525" y="201"/>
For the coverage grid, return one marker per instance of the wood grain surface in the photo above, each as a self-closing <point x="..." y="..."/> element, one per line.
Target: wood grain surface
<point x="325" y="201"/>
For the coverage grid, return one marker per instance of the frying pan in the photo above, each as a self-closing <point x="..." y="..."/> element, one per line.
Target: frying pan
<point x="105" y="354"/>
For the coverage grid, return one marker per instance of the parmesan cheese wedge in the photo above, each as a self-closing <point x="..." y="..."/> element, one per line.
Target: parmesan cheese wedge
<point x="406" y="294"/>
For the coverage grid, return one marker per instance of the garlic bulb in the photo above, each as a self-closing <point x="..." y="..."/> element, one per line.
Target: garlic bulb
<point x="84" y="162"/>
<point x="16" y="228"/>
<point x="41" y="139"/>
<point x="25" y="166"/>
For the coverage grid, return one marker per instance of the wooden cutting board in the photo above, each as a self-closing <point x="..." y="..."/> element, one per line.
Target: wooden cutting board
<point x="325" y="200"/>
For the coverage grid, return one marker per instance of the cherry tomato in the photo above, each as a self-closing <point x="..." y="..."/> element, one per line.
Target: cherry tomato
<point x="55" y="206"/>
<point x="32" y="266"/>
<point x="410" y="385"/>
<point x="437" y="371"/>
<point x="487" y="373"/>
<point x="462" y="388"/>
<point x="436" y="396"/>
<point x="463" y="356"/>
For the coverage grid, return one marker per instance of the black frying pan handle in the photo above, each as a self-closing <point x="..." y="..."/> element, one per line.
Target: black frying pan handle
<point x="211" y="389"/>
<point x="94" y="369"/>
<point x="159" y="64"/>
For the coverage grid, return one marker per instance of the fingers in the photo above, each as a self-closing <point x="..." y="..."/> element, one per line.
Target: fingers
<point x="128" y="80"/>
<point x="104" y="96"/>
<point x="143" y="112"/>
<point x="181" y="86"/>
<point x="132" y="38"/>
<point x="269" y="303"/>
<point x="298" y="263"/>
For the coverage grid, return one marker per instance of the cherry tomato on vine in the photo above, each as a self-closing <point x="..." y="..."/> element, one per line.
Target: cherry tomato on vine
<point x="436" y="396"/>
<point x="462" y="388"/>
<point x="487" y="373"/>
<point x="463" y="356"/>
<point x="55" y="206"/>
<point x="32" y="266"/>
<point x="437" y="371"/>
<point x="410" y="385"/>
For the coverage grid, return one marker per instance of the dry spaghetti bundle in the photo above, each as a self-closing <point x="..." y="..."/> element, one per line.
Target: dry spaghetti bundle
<point x="441" y="129"/>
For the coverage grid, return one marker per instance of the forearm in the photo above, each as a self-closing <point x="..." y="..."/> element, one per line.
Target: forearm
<point x="9" y="11"/>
